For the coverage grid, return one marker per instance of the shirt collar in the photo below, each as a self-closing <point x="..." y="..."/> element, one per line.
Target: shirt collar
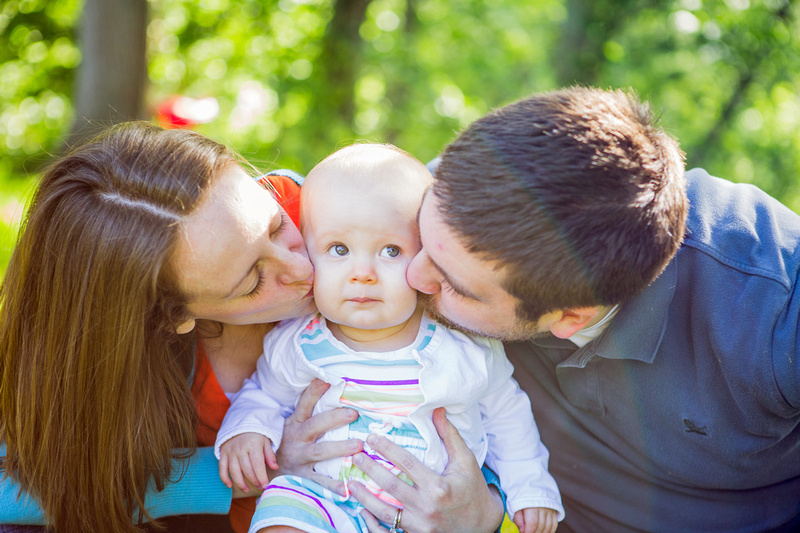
<point x="635" y="332"/>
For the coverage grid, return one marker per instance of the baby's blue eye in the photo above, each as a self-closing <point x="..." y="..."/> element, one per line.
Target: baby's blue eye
<point x="390" y="251"/>
<point x="338" y="250"/>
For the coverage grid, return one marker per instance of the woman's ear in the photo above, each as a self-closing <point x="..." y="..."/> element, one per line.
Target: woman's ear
<point x="572" y="321"/>
<point x="185" y="327"/>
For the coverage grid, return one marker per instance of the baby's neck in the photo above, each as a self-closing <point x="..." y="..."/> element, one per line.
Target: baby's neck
<point x="379" y="340"/>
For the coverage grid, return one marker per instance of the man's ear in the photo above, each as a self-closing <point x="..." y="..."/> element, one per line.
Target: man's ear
<point x="572" y="321"/>
<point x="185" y="327"/>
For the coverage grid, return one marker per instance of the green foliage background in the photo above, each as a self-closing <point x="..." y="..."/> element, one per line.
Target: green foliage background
<point x="723" y="73"/>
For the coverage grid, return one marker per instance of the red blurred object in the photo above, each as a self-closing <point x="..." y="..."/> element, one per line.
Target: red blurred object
<point x="186" y="112"/>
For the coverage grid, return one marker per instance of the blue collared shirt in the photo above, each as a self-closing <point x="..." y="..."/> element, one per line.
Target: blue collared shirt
<point x="684" y="414"/>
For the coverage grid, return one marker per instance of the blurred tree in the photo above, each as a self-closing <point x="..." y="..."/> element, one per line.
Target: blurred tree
<point x="294" y="79"/>
<point x="112" y="76"/>
<point x="38" y="57"/>
<point x="339" y="62"/>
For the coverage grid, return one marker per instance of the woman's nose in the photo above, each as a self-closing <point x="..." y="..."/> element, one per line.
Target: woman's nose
<point x="422" y="275"/>
<point x="295" y="267"/>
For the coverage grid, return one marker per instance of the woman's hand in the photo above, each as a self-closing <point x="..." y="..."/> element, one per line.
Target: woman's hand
<point x="299" y="448"/>
<point x="458" y="500"/>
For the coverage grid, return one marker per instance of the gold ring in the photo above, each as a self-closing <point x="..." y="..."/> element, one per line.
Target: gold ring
<point x="397" y="516"/>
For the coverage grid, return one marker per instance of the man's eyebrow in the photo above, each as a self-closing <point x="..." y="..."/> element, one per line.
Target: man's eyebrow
<point x="457" y="288"/>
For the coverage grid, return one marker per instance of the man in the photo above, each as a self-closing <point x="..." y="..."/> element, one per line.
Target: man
<point x="654" y="313"/>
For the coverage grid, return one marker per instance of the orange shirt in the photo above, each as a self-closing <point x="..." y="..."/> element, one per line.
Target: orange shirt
<point x="210" y="400"/>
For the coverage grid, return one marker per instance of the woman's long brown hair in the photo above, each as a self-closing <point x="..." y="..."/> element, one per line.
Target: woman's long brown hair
<point x="94" y="393"/>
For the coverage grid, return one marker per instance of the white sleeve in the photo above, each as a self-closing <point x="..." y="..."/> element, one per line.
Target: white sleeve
<point x="270" y="395"/>
<point x="516" y="452"/>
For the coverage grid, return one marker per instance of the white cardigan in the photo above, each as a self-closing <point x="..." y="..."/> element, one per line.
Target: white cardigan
<point x="469" y="376"/>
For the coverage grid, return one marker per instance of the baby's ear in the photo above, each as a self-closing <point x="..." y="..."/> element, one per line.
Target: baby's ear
<point x="572" y="321"/>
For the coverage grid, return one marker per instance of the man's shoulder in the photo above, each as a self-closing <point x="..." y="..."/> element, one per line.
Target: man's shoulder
<point x="742" y="227"/>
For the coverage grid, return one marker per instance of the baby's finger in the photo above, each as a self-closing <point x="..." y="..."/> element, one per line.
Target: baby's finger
<point x="223" y="471"/>
<point x="250" y="468"/>
<point x="519" y="521"/>
<point x="260" y="478"/>
<point x="236" y="475"/>
<point x="552" y="522"/>
<point x="272" y="462"/>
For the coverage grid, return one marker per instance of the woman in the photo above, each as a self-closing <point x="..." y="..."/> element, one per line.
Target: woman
<point x="97" y="322"/>
<point x="114" y="361"/>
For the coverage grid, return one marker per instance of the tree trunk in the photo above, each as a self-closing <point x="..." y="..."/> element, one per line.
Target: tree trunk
<point x="112" y="76"/>
<point x="340" y="59"/>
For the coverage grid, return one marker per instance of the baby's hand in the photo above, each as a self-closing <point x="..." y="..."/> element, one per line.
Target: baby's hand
<point x="536" y="520"/>
<point x="246" y="456"/>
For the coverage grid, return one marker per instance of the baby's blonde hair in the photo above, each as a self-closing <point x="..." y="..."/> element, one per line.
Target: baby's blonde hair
<point x="364" y="166"/>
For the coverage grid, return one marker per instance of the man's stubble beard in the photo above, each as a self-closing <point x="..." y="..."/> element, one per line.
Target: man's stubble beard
<point x="519" y="331"/>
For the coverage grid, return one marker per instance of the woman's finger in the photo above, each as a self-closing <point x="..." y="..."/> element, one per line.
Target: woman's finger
<point x="308" y="399"/>
<point x="373" y="526"/>
<point x="314" y="427"/>
<point x="378" y="509"/>
<point x="333" y="485"/>
<point x="460" y="456"/>
<point x="402" y="459"/>
<point x="453" y="501"/>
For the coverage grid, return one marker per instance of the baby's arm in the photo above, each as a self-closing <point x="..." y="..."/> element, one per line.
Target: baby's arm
<point x="257" y="413"/>
<point x="516" y="452"/>
<point x="246" y="458"/>
<point x="536" y="520"/>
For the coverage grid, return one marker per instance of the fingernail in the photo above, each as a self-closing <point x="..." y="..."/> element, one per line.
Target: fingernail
<point x="358" y="459"/>
<point x="372" y="440"/>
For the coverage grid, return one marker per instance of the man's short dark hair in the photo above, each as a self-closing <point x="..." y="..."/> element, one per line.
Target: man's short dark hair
<point x="576" y="194"/>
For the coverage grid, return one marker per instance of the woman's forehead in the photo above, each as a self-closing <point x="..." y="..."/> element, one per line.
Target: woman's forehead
<point x="218" y="244"/>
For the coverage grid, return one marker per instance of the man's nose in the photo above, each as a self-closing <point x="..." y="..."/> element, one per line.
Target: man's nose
<point x="422" y="275"/>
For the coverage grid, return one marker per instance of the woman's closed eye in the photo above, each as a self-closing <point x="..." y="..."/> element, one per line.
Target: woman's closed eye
<point x="259" y="286"/>
<point x="281" y="226"/>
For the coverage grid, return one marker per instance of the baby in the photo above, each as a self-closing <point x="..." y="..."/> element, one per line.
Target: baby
<point x="383" y="356"/>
